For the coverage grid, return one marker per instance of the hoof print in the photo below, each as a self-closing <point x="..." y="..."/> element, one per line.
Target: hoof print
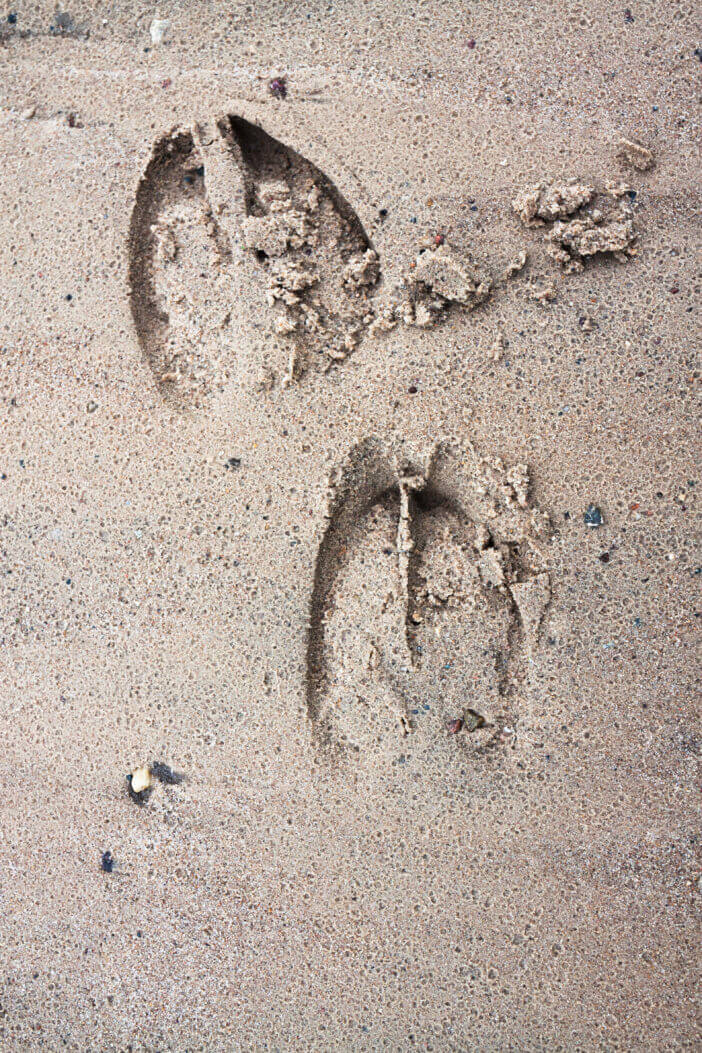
<point x="233" y="232"/>
<point x="428" y="597"/>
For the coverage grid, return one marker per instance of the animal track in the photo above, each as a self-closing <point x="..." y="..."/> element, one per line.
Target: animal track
<point x="221" y="206"/>
<point x="428" y="578"/>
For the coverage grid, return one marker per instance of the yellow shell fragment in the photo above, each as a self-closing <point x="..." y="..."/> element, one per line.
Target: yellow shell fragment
<point x="141" y="780"/>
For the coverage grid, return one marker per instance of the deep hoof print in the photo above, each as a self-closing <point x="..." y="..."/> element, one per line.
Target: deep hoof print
<point x="231" y="225"/>
<point x="430" y="589"/>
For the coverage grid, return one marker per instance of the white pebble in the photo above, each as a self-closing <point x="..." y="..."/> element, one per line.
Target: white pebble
<point x="160" y="30"/>
<point x="141" y="780"/>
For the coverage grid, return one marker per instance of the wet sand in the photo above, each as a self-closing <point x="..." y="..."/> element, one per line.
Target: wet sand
<point x="291" y="574"/>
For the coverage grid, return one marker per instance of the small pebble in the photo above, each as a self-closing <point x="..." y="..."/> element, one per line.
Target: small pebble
<point x="160" y="30"/>
<point x="472" y="720"/>
<point x="278" y="88"/>
<point x="141" y="780"/>
<point x="454" y="726"/>
<point x="593" y="517"/>
<point x="107" y="862"/>
<point x="139" y="784"/>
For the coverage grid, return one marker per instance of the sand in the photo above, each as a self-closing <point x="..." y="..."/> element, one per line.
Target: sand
<point x="322" y="328"/>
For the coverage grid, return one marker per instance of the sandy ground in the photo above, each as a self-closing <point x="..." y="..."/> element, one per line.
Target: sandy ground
<point x="286" y="574"/>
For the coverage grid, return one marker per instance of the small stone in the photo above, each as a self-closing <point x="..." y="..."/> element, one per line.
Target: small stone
<point x="107" y="862"/>
<point x="472" y="720"/>
<point x="28" y="113"/>
<point x="91" y="407"/>
<point x="454" y="726"/>
<point x="160" y="30"/>
<point x="278" y="88"/>
<point x="140" y="780"/>
<point x="593" y="517"/>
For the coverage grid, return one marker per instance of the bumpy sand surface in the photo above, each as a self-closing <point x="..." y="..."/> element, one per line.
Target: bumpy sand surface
<point x="348" y="470"/>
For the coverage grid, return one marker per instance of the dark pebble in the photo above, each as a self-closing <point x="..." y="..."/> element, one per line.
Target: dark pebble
<point x="12" y="18"/>
<point x="233" y="462"/>
<point x="278" y="88"/>
<point x="593" y="516"/>
<point x="107" y="862"/>
<point x="604" y="557"/>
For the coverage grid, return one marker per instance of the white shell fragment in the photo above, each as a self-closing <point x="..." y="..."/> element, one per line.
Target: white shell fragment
<point x="160" y="30"/>
<point x="141" y="780"/>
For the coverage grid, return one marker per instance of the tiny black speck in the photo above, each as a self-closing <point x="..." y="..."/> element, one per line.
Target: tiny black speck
<point x="107" y="862"/>
<point x="12" y="18"/>
<point x="604" y="557"/>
